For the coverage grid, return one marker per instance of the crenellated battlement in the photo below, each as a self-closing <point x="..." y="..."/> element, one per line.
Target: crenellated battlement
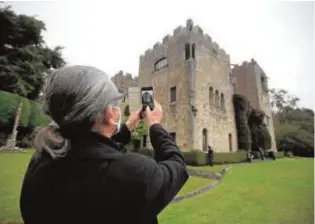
<point x="198" y="36"/>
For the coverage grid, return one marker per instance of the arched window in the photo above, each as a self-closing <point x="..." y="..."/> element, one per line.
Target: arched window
<point x="161" y="63"/>
<point x="193" y="49"/>
<point x="211" y="96"/>
<point x="187" y="51"/>
<point x="217" y="99"/>
<point x="222" y="102"/>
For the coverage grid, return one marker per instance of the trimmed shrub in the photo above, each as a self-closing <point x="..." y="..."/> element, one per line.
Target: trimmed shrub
<point x="8" y="105"/>
<point x="242" y="110"/>
<point x="230" y="157"/>
<point x="32" y="114"/>
<point x="195" y="157"/>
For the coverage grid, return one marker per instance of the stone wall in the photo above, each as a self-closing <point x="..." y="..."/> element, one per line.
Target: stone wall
<point x="192" y="78"/>
<point x="124" y="81"/>
<point x="215" y="118"/>
<point x="249" y="82"/>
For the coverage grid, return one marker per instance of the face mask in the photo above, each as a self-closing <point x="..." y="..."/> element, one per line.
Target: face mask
<point x="118" y="123"/>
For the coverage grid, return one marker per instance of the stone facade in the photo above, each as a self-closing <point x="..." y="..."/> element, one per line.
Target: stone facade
<point x="252" y="82"/>
<point x="193" y="81"/>
<point x="193" y="65"/>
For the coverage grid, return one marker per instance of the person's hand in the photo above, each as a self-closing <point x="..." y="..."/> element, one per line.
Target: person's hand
<point x="133" y="119"/>
<point x="155" y="116"/>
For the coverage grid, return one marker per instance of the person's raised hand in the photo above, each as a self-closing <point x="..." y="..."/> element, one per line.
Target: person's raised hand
<point x="133" y="119"/>
<point x="155" y="116"/>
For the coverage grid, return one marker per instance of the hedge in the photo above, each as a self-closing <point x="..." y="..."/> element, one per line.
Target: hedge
<point x="8" y="106"/>
<point x="195" y="157"/>
<point x="199" y="158"/>
<point x="230" y="157"/>
<point x="31" y="116"/>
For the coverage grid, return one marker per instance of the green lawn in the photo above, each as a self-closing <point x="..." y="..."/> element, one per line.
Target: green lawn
<point x="12" y="169"/>
<point x="215" y="168"/>
<point x="193" y="184"/>
<point x="272" y="192"/>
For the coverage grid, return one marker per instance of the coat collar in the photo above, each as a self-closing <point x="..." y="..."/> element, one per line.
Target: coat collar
<point x="94" y="145"/>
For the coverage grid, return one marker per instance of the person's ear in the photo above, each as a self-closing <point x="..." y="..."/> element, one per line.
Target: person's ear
<point x="109" y="116"/>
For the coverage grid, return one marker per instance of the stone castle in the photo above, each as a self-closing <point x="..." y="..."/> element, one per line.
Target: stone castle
<point x="194" y="81"/>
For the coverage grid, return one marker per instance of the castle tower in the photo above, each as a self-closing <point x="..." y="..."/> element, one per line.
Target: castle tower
<point x="190" y="75"/>
<point x="252" y="82"/>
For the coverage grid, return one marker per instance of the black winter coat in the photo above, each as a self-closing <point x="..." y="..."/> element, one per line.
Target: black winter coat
<point x="95" y="183"/>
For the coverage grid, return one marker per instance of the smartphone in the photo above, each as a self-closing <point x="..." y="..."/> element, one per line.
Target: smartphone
<point x="147" y="98"/>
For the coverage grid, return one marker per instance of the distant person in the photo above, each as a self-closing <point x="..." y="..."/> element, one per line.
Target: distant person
<point x="78" y="175"/>
<point x="210" y="155"/>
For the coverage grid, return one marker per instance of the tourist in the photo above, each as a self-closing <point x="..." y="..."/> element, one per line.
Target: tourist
<point x="78" y="175"/>
<point x="210" y="155"/>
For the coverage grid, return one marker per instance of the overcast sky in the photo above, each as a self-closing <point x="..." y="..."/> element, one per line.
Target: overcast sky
<point x="111" y="35"/>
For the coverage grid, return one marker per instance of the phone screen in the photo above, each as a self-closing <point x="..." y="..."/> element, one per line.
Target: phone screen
<point x="147" y="97"/>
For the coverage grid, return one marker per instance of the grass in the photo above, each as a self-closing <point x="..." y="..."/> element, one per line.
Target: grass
<point x="193" y="184"/>
<point x="273" y="192"/>
<point x="12" y="169"/>
<point x="215" y="168"/>
<point x="270" y="192"/>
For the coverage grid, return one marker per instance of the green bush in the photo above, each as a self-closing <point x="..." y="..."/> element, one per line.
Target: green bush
<point x="230" y="157"/>
<point x="195" y="157"/>
<point x="8" y="106"/>
<point x="32" y="114"/>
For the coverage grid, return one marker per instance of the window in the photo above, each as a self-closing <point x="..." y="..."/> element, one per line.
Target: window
<point x="187" y="51"/>
<point x="173" y="94"/>
<point x="222" y="102"/>
<point x="161" y="63"/>
<point x="217" y="99"/>
<point x="211" y="96"/>
<point x="173" y="135"/>
<point x="193" y="49"/>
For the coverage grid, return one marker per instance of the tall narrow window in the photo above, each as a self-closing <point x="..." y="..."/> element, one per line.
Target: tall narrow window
<point x="222" y="102"/>
<point x="187" y="51"/>
<point x="193" y="49"/>
<point x="173" y="94"/>
<point x="211" y="96"/>
<point x="217" y="99"/>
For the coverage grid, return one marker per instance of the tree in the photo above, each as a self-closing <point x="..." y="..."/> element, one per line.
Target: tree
<point x="294" y="126"/>
<point x="283" y="103"/>
<point x="24" y="56"/>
